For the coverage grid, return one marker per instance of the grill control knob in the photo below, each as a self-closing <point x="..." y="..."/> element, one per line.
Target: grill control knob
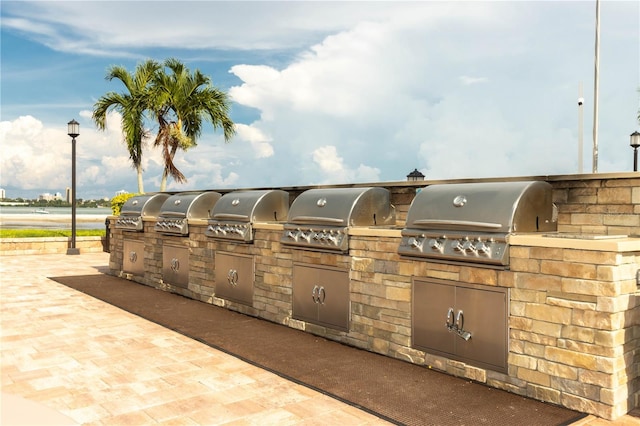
<point x="416" y="243"/>
<point x="457" y="245"/>
<point x="436" y="245"/>
<point x="483" y="248"/>
<point x="468" y="247"/>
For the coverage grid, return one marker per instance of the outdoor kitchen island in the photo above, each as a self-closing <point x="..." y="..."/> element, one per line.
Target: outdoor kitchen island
<point x="571" y="326"/>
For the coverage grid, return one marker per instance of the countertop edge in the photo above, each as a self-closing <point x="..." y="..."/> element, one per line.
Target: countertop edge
<point x="608" y="243"/>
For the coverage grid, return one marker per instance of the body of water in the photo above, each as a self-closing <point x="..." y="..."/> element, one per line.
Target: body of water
<point x="20" y="217"/>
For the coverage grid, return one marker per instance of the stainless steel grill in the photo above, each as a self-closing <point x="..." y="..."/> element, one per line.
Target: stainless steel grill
<point x="137" y="207"/>
<point x="471" y="222"/>
<point x="319" y="219"/>
<point x="179" y="208"/>
<point x="233" y="215"/>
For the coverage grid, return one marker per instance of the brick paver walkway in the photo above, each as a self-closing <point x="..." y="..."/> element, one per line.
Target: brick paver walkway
<point x="67" y="358"/>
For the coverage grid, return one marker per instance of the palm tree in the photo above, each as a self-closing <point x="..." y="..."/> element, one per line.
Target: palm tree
<point x="180" y="102"/>
<point x="132" y="106"/>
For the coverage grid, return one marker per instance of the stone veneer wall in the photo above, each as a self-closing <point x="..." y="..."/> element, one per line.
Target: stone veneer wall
<point x="574" y="326"/>
<point x="573" y="323"/>
<point x="598" y="204"/>
<point x="48" y="245"/>
<point x="574" y="331"/>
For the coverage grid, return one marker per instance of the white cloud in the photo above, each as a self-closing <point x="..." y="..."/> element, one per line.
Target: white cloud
<point x="352" y="92"/>
<point x="333" y="169"/>
<point x="103" y="28"/>
<point x="258" y="140"/>
<point x="466" y="80"/>
<point x="32" y="156"/>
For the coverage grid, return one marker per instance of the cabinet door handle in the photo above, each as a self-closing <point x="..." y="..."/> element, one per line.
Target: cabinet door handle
<point x="460" y="321"/>
<point x="175" y="264"/>
<point x="321" y="295"/>
<point x="450" y="318"/>
<point x="466" y="335"/>
<point x="232" y="277"/>
<point x="314" y="294"/>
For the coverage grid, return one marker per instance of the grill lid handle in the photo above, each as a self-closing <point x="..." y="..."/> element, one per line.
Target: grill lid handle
<point x="448" y="224"/>
<point x="316" y="220"/>
<point x="231" y="216"/>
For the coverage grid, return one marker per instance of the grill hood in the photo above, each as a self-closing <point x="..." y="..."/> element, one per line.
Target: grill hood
<point x="471" y="222"/>
<point x="234" y="213"/>
<point x="502" y="207"/>
<point x="342" y="207"/>
<point x="319" y="218"/>
<point x="179" y="208"/>
<point x="137" y="207"/>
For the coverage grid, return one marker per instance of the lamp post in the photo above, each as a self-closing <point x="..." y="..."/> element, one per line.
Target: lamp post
<point x="73" y="130"/>
<point x="634" y="141"/>
<point x="414" y="176"/>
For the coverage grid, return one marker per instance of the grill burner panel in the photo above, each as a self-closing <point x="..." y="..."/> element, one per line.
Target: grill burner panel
<point x="332" y="239"/>
<point x="319" y="219"/>
<point x="179" y="208"/>
<point x="463" y="247"/>
<point x="135" y="208"/>
<point x="130" y="223"/>
<point x="472" y="222"/>
<point x="234" y="213"/>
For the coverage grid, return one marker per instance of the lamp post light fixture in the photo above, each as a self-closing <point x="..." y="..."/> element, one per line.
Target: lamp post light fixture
<point x="414" y="176"/>
<point x="73" y="130"/>
<point x="634" y="141"/>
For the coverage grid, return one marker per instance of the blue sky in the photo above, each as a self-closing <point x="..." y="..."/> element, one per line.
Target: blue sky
<point x="324" y="92"/>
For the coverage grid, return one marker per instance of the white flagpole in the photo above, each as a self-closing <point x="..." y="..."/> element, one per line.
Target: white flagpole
<point x="580" y="128"/>
<point x="595" y="90"/>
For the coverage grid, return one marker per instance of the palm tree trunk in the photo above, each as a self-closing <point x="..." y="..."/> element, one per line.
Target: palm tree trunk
<point x="165" y="173"/>
<point x="163" y="182"/>
<point x="140" y="181"/>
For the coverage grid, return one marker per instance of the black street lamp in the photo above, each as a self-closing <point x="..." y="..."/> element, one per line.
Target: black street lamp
<point x="635" y="143"/>
<point x="73" y="130"/>
<point x="414" y="176"/>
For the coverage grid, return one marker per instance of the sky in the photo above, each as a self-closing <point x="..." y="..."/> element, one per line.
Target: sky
<point x="324" y="92"/>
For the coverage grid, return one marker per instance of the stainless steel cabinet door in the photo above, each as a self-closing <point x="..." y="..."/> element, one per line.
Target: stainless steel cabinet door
<point x="235" y="277"/>
<point x="431" y="304"/>
<point x="175" y="265"/>
<point x="466" y="322"/>
<point x="333" y="299"/>
<point x="133" y="257"/>
<point x="305" y="280"/>
<point x="484" y="313"/>
<point x="321" y="296"/>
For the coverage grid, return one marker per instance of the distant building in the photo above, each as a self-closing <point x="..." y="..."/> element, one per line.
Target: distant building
<point x="121" y="192"/>
<point x="68" y="195"/>
<point x="2" y="194"/>
<point x="50" y="197"/>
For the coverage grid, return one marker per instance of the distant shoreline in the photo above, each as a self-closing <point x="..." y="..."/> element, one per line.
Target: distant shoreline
<point x="51" y="221"/>
<point x="36" y="217"/>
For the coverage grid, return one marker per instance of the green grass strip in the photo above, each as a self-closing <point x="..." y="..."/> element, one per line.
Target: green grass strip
<point x="44" y="233"/>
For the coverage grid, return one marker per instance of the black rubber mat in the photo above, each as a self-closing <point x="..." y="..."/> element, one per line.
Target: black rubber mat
<point x="394" y="390"/>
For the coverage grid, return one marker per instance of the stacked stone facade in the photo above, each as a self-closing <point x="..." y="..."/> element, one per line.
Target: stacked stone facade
<point x="573" y="314"/>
